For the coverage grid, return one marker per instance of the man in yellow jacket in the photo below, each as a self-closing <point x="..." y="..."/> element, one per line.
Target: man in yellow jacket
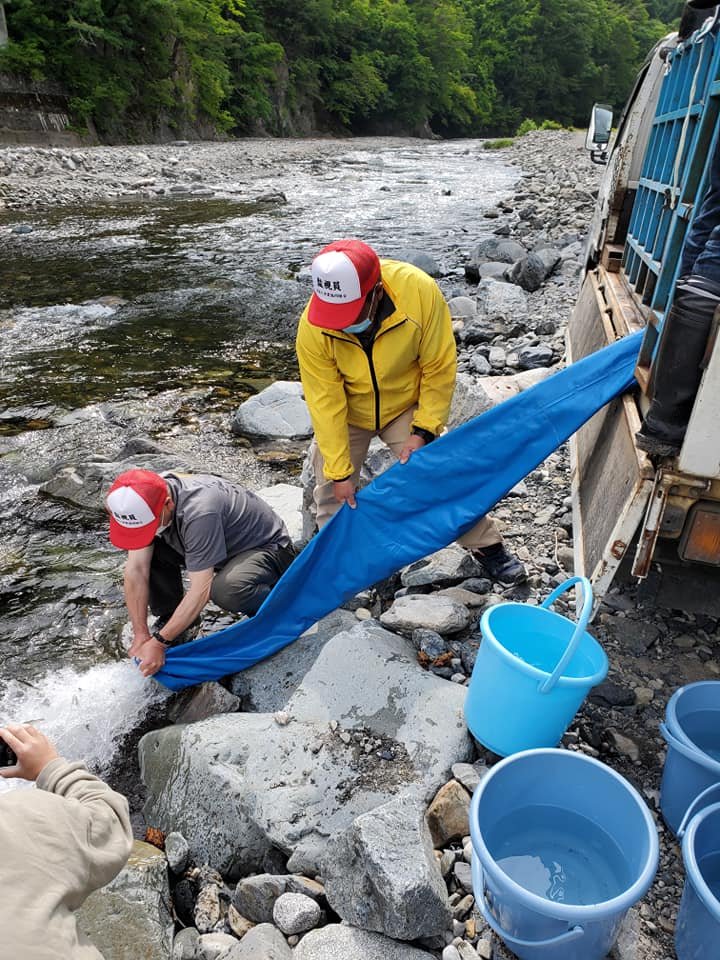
<point x="377" y="359"/>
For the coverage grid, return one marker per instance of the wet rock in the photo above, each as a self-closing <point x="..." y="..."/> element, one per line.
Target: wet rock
<point x="129" y="916"/>
<point x="436" y="613"/>
<point x="136" y="445"/>
<point x="275" y="196"/>
<point x="447" y="815"/>
<point x="337" y="941"/>
<point x="85" y="484"/>
<point x="295" y="913"/>
<point x="278" y="411"/>
<point x="382" y="875"/>
<point x="198" y="703"/>
<point x="22" y="228"/>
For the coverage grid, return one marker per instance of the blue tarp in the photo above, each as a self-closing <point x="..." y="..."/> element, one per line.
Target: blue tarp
<point x="412" y="510"/>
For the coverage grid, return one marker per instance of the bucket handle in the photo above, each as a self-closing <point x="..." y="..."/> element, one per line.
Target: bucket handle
<point x="546" y="685"/>
<point x="691" y="810"/>
<point x="573" y="934"/>
<point x="689" y="753"/>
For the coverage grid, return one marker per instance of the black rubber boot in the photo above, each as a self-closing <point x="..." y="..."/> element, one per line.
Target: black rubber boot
<point x="500" y="564"/>
<point x="678" y="368"/>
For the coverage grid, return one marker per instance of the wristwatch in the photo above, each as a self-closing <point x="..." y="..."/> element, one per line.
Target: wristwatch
<point x="156" y="635"/>
<point x="426" y="435"/>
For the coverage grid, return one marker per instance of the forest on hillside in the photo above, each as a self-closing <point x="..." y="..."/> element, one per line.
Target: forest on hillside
<point x="285" y="67"/>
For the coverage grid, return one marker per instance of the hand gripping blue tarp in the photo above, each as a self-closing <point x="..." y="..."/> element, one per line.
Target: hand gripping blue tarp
<point x="412" y="510"/>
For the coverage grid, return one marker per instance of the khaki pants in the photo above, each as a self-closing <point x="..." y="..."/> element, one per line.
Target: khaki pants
<point x="394" y="435"/>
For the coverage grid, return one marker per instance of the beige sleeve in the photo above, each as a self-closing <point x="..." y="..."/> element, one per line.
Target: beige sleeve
<point x="101" y="813"/>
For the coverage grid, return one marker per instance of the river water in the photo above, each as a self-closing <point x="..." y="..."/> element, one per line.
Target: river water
<point x="155" y="318"/>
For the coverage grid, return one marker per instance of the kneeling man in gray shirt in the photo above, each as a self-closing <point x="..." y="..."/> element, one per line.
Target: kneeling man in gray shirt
<point x="232" y="544"/>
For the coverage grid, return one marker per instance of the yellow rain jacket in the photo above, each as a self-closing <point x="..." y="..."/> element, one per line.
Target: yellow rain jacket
<point x="412" y="361"/>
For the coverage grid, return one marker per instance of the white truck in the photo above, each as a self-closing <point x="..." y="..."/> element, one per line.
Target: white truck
<point x="657" y="520"/>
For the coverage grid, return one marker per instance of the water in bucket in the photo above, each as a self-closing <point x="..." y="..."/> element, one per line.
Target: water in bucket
<point x="560" y="855"/>
<point x="562" y="847"/>
<point x="703" y="728"/>
<point x="710" y="869"/>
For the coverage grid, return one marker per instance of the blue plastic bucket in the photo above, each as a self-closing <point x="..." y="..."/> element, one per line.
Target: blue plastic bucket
<point x="693" y="716"/>
<point x="562" y="847"/>
<point x="697" y="930"/>
<point x="688" y="771"/>
<point x="533" y="670"/>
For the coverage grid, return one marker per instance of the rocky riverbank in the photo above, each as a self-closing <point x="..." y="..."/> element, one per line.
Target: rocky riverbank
<point x="286" y="816"/>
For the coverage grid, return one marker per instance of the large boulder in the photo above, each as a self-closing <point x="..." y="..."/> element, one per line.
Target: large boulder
<point x="381" y="873"/>
<point x="286" y="500"/>
<point x="264" y="942"/>
<point x="129" y="918"/>
<point x="473" y="397"/>
<point x="366" y="724"/>
<point x="423" y="260"/>
<point x="278" y="411"/>
<point x="462" y="308"/>
<point x="492" y="249"/>
<point x="528" y="273"/>
<point x="445" y="567"/>
<point x="499" y="300"/>
<point x="85" y="484"/>
<point x="267" y="686"/>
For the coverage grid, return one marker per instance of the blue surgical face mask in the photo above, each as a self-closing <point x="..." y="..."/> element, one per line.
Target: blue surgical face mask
<point x="359" y="327"/>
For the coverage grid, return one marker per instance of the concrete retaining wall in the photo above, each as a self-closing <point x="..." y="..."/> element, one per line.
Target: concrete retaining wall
<point x="35" y="113"/>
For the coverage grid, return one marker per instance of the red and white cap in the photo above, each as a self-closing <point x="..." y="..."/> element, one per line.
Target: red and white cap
<point x="135" y="502"/>
<point x="343" y="274"/>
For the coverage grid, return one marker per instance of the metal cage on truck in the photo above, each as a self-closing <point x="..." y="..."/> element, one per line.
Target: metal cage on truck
<point x="627" y="510"/>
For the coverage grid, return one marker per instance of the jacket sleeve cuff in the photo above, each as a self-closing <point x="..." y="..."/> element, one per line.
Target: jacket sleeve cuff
<point x="47" y="778"/>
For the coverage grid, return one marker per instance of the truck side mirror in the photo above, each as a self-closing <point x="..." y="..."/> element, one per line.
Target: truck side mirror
<point x="598" y="134"/>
